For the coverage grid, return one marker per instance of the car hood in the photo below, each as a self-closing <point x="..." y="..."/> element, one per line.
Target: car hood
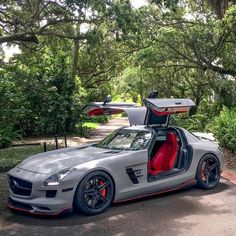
<point x="54" y="161"/>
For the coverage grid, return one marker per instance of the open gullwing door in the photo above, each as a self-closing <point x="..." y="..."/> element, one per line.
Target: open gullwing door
<point x="155" y="112"/>
<point x="164" y="107"/>
<point x="136" y="114"/>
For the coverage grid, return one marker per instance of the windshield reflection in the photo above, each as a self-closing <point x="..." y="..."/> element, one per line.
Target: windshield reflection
<point x="125" y="139"/>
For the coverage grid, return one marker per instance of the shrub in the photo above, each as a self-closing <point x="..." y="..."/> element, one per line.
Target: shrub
<point x="86" y="124"/>
<point x="196" y="122"/>
<point x="97" y="119"/>
<point x="7" y="135"/>
<point x="224" y="128"/>
<point x="82" y="131"/>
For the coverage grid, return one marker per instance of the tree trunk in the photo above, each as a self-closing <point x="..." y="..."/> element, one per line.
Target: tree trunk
<point x="75" y="54"/>
<point x="74" y="64"/>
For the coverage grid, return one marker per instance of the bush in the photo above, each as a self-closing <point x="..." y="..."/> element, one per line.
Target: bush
<point x="82" y="131"/>
<point x="224" y="128"/>
<point x="7" y="135"/>
<point x="97" y="119"/>
<point x="195" y="122"/>
<point x="86" y="124"/>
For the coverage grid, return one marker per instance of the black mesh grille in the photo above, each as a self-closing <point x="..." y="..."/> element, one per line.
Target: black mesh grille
<point x="20" y="186"/>
<point x="51" y="193"/>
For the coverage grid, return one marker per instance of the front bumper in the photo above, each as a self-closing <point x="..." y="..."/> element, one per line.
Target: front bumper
<point x="40" y="201"/>
<point x="35" y="210"/>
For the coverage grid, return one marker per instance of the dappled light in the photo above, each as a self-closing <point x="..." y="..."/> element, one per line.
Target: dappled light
<point x="106" y="104"/>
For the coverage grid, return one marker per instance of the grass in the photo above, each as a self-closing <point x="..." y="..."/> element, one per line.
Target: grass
<point x="91" y="125"/>
<point x="10" y="157"/>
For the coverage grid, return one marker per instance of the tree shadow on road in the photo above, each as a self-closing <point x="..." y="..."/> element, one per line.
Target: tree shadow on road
<point x="150" y="215"/>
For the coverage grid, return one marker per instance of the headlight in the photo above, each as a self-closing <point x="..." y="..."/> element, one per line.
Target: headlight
<point x="56" y="178"/>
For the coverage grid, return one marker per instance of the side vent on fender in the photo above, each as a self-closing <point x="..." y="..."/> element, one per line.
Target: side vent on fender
<point x="132" y="175"/>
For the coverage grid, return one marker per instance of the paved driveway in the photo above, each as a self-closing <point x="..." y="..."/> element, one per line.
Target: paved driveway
<point x="187" y="212"/>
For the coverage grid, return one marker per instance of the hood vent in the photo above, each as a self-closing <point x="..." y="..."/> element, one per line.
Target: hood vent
<point x="80" y="148"/>
<point x="112" y="151"/>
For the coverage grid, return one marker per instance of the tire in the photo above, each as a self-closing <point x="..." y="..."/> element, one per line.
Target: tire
<point x="94" y="193"/>
<point x="208" y="172"/>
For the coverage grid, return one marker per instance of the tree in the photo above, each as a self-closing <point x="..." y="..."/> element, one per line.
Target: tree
<point x="201" y="42"/>
<point x="220" y="6"/>
<point x="25" y="20"/>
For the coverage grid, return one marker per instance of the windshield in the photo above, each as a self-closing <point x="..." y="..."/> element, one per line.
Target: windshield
<point x="125" y="139"/>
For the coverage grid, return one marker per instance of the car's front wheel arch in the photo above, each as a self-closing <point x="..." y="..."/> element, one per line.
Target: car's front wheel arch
<point x="208" y="153"/>
<point x="89" y="173"/>
<point x="199" y="169"/>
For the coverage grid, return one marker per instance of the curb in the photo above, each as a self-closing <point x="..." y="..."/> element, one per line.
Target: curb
<point x="229" y="176"/>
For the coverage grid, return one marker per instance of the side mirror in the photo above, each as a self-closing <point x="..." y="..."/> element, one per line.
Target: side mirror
<point x="107" y="99"/>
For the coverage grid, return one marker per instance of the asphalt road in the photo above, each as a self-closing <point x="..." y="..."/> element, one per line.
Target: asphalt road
<point x="187" y="212"/>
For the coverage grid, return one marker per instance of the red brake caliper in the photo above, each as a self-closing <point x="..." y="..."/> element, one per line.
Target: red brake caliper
<point x="103" y="191"/>
<point x="202" y="172"/>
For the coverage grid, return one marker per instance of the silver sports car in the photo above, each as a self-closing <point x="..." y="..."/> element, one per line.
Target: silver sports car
<point x="148" y="157"/>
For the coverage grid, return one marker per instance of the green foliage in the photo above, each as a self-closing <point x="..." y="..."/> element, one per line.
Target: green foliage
<point x="226" y="92"/>
<point x="171" y="4"/>
<point x="196" y="122"/>
<point x="96" y="119"/>
<point x="12" y="108"/>
<point x="82" y="131"/>
<point x="7" y="135"/>
<point x="50" y="101"/>
<point x="91" y="125"/>
<point x="179" y="49"/>
<point x="87" y="124"/>
<point x="10" y="157"/>
<point x="224" y="128"/>
<point x="129" y="86"/>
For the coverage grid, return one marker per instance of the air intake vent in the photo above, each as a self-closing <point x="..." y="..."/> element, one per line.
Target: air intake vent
<point x="20" y="186"/>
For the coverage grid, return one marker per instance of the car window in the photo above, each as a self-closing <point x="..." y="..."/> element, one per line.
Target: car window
<point x="125" y="139"/>
<point x="161" y="134"/>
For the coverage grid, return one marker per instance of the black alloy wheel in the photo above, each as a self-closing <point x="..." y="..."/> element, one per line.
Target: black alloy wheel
<point x="208" y="173"/>
<point x="94" y="193"/>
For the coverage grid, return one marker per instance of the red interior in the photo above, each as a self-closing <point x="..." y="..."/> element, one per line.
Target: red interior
<point x="164" y="113"/>
<point x="97" y="111"/>
<point x="161" y="113"/>
<point x="165" y="157"/>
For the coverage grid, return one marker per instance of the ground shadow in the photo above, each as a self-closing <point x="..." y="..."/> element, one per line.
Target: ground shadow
<point x="164" y="209"/>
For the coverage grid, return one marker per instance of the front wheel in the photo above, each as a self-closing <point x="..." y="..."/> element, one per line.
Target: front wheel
<point x="208" y="172"/>
<point x="94" y="193"/>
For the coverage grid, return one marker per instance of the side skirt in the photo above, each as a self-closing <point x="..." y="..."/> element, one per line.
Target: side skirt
<point x="186" y="184"/>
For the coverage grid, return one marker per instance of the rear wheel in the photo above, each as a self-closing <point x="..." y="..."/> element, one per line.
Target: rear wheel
<point x="208" y="172"/>
<point x="94" y="193"/>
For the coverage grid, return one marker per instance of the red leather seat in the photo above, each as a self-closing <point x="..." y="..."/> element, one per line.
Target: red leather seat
<point x="165" y="157"/>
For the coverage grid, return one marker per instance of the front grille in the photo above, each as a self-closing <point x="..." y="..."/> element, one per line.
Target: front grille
<point x="20" y="186"/>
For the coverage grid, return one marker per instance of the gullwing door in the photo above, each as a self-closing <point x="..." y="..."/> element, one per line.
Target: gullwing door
<point x="136" y="114"/>
<point x="159" y="110"/>
<point x="155" y="112"/>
